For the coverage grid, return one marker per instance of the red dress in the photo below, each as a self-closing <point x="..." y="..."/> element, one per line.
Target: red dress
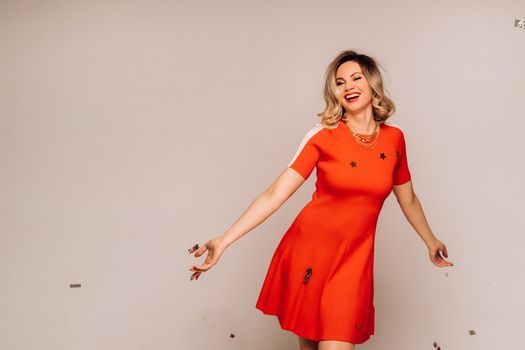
<point x="320" y="282"/>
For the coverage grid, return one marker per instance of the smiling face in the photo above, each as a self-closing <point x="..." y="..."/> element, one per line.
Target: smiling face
<point x="351" y="82"/>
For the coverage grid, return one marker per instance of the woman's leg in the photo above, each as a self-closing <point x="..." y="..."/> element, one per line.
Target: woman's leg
<point x="335" y="345"/>
<point x="307" y="344"/>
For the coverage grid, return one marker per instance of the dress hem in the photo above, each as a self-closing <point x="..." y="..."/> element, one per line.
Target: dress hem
<point x="353" y="341"/>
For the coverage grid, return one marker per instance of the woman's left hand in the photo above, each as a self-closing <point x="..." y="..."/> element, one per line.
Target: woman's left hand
<point x="434" y="250"/>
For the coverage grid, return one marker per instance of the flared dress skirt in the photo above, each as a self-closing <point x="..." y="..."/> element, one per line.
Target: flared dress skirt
<point x="320" y="280"/>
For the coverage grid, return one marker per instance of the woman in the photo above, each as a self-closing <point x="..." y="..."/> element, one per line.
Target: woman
<point x="320" y="280"/>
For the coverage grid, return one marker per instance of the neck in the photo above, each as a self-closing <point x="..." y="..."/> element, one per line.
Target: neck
<point x="362" y="123"/>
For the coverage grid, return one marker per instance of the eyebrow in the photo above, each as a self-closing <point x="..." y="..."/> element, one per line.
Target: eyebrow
<point x="350" y="75"/>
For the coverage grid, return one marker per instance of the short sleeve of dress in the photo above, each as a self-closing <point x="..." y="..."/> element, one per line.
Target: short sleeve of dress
<point x="307" y="153"/>
<point x="401" y="170"/>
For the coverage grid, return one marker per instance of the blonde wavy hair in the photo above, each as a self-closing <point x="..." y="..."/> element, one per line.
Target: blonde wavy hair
<point x="383" y="107"/>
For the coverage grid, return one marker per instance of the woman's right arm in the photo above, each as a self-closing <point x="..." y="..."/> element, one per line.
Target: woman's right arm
<point x="262" y="207"/>
<point x="265" y="204"/>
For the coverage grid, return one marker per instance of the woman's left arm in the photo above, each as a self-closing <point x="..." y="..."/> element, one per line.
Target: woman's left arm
<point x="413" y="211"/>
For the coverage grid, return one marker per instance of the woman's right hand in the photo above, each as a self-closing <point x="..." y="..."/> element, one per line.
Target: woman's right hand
<point x="215" y="248"/>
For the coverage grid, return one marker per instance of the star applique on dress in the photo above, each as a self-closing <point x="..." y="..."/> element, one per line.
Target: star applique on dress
<point x="308" y="275"/>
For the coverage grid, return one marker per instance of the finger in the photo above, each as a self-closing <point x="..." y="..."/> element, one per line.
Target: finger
<point x="440" y="263"/>
<point x="445" y="252"/>
<point x="448" y="263"/>
<point x="208" y="262"/>
<point x="437" y="259"/>
<point x="445" y="263"/>
<point x="204" y="267"/>
<point x="199" y="267"/>
<point x="196" y="275"/>
<point x="210" y="259"/>
<point x="201" y="250"/>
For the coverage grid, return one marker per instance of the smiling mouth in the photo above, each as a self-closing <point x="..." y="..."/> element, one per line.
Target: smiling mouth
<point x="352" y="97"/>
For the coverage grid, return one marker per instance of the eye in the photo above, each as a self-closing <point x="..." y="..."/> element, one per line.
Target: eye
<point x="338" y="83"/>
<point x="357" y="78"/>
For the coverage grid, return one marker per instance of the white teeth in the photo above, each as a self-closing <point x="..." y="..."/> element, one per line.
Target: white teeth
<point x="352" y="95"/>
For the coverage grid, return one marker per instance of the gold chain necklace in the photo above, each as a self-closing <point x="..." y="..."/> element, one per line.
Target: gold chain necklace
<point x="367" y="141"/>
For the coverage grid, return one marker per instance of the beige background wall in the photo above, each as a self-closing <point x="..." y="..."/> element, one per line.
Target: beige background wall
<point x="131" y="130"/>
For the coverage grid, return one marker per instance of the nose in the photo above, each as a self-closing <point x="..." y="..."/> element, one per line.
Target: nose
<point x="349" y="85"/>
